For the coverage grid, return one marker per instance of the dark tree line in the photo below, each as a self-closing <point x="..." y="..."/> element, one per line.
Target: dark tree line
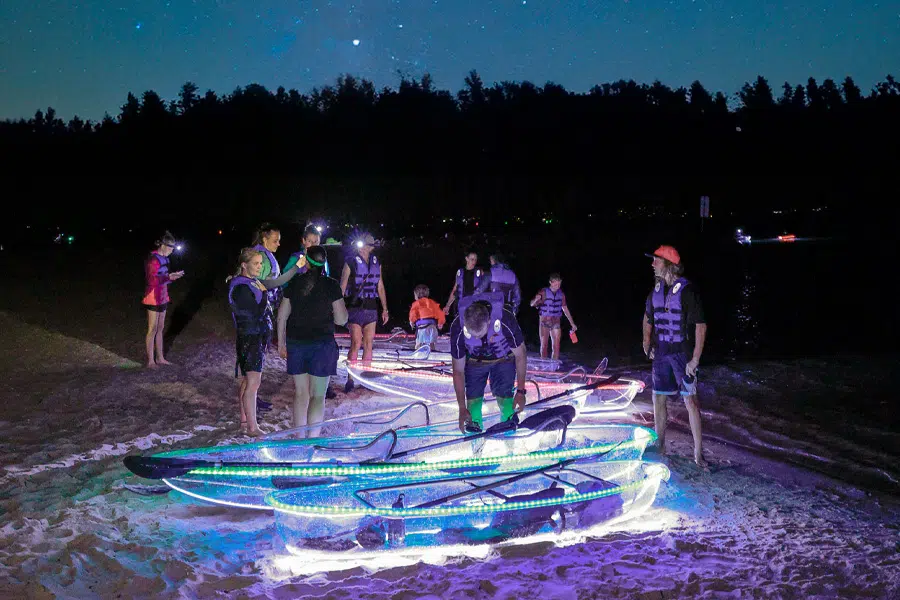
<point x="385" y="152"/>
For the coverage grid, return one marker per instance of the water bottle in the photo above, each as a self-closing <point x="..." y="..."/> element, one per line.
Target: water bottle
<point x="396" y="532"/>
<point x="573" y="337"/>
<point x="690" y="383"/>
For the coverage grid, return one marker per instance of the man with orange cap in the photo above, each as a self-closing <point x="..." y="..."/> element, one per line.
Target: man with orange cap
<point x="674" y="331"/>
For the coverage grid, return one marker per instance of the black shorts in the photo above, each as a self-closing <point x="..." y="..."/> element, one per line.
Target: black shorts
<point x="251" y="352"/>
<point x="156" y="307"/>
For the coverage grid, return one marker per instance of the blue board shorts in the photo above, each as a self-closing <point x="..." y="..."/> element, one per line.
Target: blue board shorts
<point x="317" y="358"/>
<point x="361" y="316"/>
<point x="668" y="375"/>
<point x="502" y="375"/>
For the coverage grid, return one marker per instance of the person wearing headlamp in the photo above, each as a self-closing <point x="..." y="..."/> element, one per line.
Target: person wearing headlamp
<point x="362" y="284"/>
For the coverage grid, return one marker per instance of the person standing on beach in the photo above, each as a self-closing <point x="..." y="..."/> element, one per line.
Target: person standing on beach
<point x="312" y="305"/>
<point x="551" y="304"/>
<point x="362" y="284"/>
<point x="467" y="281"/>
<point x="504" y="280"/>
<point x="250" y="310"/>
<point x="156" y="297"/>
<point x="674" y="332"/>
<point x="311" y="237"/>
<point x="266" y="242"/>
<point x="425" y="317"/>
<point x="486" y="344"/>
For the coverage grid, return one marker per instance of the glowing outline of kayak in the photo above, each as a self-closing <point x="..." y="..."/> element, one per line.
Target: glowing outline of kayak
<point x="321" y="515"/>
<point x="237" y="477"/>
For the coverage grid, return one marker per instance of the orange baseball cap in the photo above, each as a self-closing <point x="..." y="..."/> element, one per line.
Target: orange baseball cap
<point x="667" y="252"/>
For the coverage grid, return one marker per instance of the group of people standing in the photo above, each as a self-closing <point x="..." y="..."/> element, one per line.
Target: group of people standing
<point x="486" y="341"/>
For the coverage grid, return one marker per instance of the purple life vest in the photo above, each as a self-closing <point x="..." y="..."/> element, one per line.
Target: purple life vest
<point x="552" y="305"/>
<point x="163" y="264"/>
<point x="494" y="344"/>
<point x="427" y="322"/>
<point x="249" y="321"/>
<point x="364" y="278"/>
<point x="668" y="313"/>
<point x="460" y="287"/>
<point x="275" y="293"/>
<point x="503" y="280"/>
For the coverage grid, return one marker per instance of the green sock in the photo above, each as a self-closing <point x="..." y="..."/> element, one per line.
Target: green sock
<point x="474" y="406"/>
<point x="507" y="408"/>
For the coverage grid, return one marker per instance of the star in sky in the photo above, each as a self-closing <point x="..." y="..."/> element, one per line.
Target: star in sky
<point x="83" y="57"/>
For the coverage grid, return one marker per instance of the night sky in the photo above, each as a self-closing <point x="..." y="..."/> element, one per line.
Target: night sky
<point x="83" y="57"/>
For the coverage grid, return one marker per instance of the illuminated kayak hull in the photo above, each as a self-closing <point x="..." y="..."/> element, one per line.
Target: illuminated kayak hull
<point x="432" y="382"/>
<point x="315" y="465"/>
<point x="367" y="515"/>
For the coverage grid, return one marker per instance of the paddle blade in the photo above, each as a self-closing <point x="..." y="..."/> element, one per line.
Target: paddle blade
<point x="554" y="418"/>
<point x="155" y="467"/>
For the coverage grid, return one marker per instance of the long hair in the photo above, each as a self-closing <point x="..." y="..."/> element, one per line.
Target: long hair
<point x="316" y="257"/>
<point x="262" y="231"/>
<point x="670" y="268"/>
<point x="247" y="254"/>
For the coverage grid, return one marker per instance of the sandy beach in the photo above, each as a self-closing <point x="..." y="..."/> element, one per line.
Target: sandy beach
<point x="782" y="513"/>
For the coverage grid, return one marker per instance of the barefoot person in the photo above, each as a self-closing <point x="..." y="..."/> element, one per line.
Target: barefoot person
<point x="486" y="344"/>
<point x="156" y="297"/>
<point x="312" y="305"/>
<point x="467" y="281"/>
<point x="551" y="304"/>
<point x="250" y="310"/>
<point x="674" y="331"/>
<point x="362" y="284"/>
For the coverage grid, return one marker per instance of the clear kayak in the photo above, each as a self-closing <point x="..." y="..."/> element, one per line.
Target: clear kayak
<point x="241" y="475"/>
<point x="431" y="381"/>
<point x="368" y="515"/>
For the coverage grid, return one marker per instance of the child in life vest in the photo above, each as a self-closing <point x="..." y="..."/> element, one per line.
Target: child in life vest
<point x="426" y="317"/>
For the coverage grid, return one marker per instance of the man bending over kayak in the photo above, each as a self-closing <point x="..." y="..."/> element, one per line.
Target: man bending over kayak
<point x="486" y="344"/>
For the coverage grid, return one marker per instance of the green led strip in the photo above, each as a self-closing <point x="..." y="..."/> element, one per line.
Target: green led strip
<point x="394" y="468"/>
<point x="660" y="471"/>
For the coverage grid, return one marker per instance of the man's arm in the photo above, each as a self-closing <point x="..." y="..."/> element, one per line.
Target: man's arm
<point x="284" y="311"/>
<point x="699" y="341"/>
<point x="450" y="300"/>
<point x="383" y="297"/>
<point x="648" y="335"/>
<point x="345" y="278"/>
<point x="521" y="370"/>
<point x="459" y="387"/>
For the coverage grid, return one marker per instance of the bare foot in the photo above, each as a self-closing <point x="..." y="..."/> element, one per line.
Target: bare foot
<point x="162" y="361"/>
<point x="152" y="365"/>
<point x="243" y="427"/>
<point x="255" y="433"/>
<point x="700" y="462"/>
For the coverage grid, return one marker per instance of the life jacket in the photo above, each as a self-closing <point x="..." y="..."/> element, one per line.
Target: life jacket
<point x="423" y="323"/>
<point x="494" y="344"/>
<point x="668" y="314"/>
<point x="364" y="277"/>
<point x="246" y="321"/>
<point x="275" y="293"/>
<point x="460" y="278"/>
<point x="157" y="292"/>
<point x="503" y="280"/>
<point x="552" y="305"/>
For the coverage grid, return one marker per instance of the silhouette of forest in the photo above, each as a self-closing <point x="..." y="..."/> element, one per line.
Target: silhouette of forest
<point x="491" y="150"/>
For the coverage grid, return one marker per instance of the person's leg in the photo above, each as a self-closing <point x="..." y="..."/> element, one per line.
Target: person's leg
<point x="503" y="378"/>
<point x="160" y="325"/>
<point x="150" y="336"/>
<point x="368" y="341"/>
<point x="242" y="387"/>
<point x="476" y="381"/>
<point x="301" y="399"/>
<point x="664" y="385"/>
<point x="356" y="336"/>
<point x="248" y="400"/>
<point x="693" y="410"/>
<point x="544" y="333"/>
<point x="556" y="334"/>
<point x="316" y="411"/>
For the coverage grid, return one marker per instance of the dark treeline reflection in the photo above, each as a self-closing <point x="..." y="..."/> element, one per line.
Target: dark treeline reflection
<point x="489" y="150"/>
